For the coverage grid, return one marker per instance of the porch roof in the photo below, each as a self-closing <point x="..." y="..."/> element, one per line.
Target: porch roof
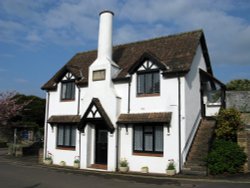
<point x="104" y="116"/>
<point x="64" y="119"/>
<point x="156" y="117"/>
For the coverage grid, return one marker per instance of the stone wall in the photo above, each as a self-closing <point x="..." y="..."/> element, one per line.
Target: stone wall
<point x="243" y="139"/>
<point x="239" y="100"/>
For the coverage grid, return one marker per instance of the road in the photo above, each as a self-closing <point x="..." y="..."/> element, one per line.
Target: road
<point x="22" y="175"/>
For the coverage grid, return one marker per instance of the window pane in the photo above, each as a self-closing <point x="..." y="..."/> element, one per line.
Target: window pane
<point x="140" y="83"/>
<point x="67" y="135"/>
<point x="148" y="85"/>
<point x="64" y="90"/>
<point x="60" y="135"/>
<point x="73" y="136"/>
<point x="138" y="138"/>
<point x="98" y="75"/>
<point x="156" y="82"/>
<point x="72" y="90"/>
<point x="148" y="138"/>
<point x="68" y="90"/>
<point x="159" y="138"/>
<point x="148" y="129"/>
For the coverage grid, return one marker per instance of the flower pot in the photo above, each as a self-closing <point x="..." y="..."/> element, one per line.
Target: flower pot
<point x="144" y="169"/>
<point x="123" y="168"/>
<point x="170" y="172"/>
<point x="47" y="161"/>
<point x="62" y="163"/>
<point x="76" y="165"/>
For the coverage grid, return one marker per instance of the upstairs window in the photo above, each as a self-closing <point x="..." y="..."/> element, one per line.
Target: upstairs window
<point x="68" y="87"/>
<point x="148" y="79"/>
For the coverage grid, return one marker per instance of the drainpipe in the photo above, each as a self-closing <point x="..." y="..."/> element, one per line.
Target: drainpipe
<point x="179" y="121"/>
<point x="129" y="91"/>
<point x="78" y="112"/>
<point x="46" y="125"/>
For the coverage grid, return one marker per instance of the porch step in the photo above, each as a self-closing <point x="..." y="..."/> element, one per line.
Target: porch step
<point x="195" y="164"/>
<point x="188" y="171"/>
<point x="99" y="166"/>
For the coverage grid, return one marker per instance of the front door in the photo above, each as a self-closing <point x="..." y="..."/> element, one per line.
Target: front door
<point x="101" y="146"/>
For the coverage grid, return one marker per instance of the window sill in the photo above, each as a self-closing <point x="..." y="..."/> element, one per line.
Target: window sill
<point x="67" y="100"/>
<point x="210" y="104"/>
<point x="148" y="154"/>
<point x="149" y="95"/>
<point x="66" y="148"/>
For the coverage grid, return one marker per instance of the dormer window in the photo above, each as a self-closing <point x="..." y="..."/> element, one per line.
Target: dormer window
<point x="68" y="87"/>
<point x="148" y="79"/>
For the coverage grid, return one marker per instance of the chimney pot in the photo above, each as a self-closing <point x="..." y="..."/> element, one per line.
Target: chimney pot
<point x="105" y="35"/>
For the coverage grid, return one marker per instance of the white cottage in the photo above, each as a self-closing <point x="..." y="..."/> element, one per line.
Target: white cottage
<point x="143" y="101"/>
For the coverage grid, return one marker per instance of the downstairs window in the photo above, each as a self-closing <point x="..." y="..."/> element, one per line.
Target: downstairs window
<point x="148" y="139"/>
<point x="66" y="136"/>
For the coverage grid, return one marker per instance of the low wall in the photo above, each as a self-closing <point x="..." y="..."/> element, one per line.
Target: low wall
<point x="239" y="100"/>
<point x="243" y="139"/>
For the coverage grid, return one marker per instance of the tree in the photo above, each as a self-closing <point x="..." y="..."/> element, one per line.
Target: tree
<point x="33" y="112"/>
<point x="9" y="107"/>
<point x="239" y="85"/>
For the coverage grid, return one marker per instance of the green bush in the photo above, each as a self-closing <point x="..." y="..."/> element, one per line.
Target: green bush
<point x="225" y="157"/>
<point x="228" y="123"/>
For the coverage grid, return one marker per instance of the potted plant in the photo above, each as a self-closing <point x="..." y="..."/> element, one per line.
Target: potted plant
<point x="144" y="169"/>
<point x="123" y="165"/>
<point x="48" y="159"/>
<point x="62" y="163"/>
<point x="171" y="168"/>
<point x="77" y="162"/>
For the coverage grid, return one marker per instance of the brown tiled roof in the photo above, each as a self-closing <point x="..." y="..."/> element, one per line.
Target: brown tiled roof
<point x="64" y="119"/>
<point x="95" y="102"/>
<point x="175" y="52"/>
<point x="160" y="117"/>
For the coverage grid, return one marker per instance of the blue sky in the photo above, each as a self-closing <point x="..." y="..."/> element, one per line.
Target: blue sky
<point x="37" y="37"/>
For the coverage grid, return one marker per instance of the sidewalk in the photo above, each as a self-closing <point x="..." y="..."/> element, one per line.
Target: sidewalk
<point x="33" y="161"/>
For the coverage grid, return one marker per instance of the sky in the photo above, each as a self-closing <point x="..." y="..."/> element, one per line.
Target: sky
<point x="37" y="37"/>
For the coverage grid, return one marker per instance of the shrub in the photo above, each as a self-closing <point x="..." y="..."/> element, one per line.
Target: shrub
<point x="225" y="157"/>
<point x="228" y="123"/>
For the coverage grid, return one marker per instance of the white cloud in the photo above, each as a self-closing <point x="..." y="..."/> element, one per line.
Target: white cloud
<point x="21" y="80"/>
<point x="75" y="23"/>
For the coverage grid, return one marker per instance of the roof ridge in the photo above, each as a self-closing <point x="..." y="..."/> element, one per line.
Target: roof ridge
<point x="147" y="40"/>
<point x="161" y="37"/>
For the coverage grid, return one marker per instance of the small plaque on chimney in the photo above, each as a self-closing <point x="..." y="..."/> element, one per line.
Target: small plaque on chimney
<point x="98" y="75"/>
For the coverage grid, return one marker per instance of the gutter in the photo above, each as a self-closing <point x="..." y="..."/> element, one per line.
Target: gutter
<point x="46" y="126"/>
<point x="179" y="121"/>
<point x="78" y="112"/>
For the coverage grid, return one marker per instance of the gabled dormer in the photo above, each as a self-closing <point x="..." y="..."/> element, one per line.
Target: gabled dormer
<point x="147" y="70"/>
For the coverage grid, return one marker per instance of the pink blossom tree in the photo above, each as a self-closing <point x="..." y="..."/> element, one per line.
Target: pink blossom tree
<point x="9" y="107"/>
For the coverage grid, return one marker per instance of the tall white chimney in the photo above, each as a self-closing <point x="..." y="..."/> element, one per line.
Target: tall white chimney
<point x="105" y="35"/>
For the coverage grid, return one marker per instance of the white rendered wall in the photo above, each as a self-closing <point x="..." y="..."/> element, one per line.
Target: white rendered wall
<point x="167" y="101"/>
<point x="59" y="155"/>
<point x="192" y="99"/>
<point x="59" y="107"/>
<point x="212" y="109"/>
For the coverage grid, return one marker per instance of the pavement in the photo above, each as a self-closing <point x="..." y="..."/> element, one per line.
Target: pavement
<point x="243" y="178"/>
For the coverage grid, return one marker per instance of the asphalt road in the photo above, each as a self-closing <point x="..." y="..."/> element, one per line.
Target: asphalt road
<point x="22" y="175"/>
